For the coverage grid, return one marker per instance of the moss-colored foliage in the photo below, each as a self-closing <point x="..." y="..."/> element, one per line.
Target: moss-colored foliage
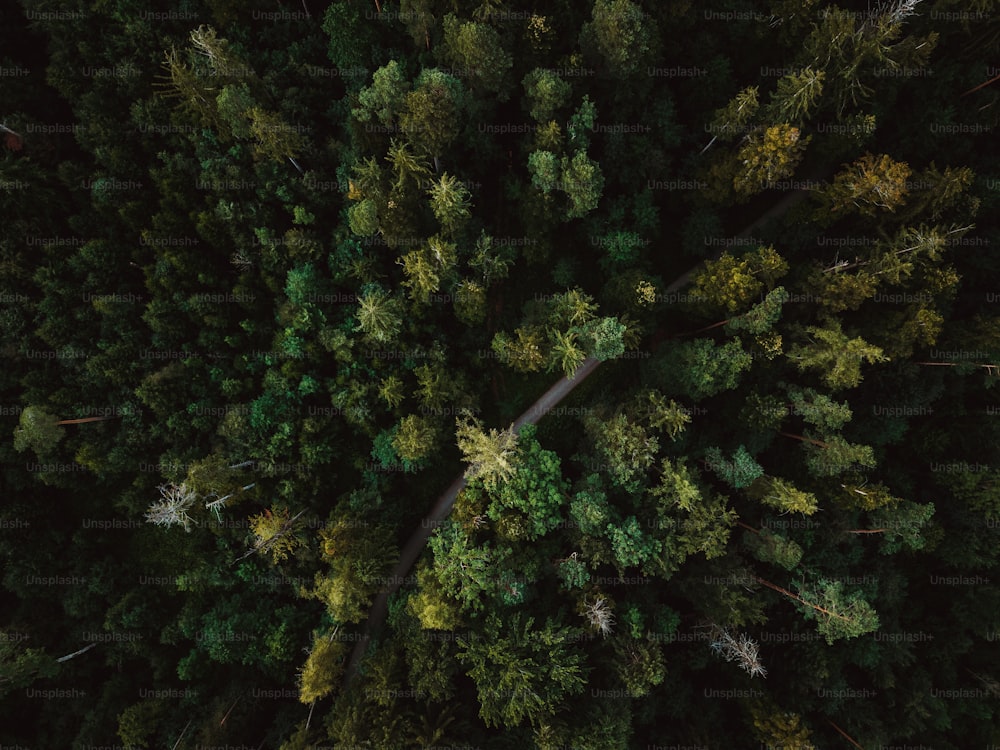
<point x="773" y="548"/>
<point x="38" y="430"/>
<point x="769" y="157"/>
<point x="835" y="354"/>
<point x="783" y="496"/>
<point x="522" y="671"/>
<point x="731" y="282"/>
<point x="621" y="33"/>
<point x="492" y="456"/>
<point x="322" y="668"/>
<point x="546" y="93"/>
<point x="778" y="728"/>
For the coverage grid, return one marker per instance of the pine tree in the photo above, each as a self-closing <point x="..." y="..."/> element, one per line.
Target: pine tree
<point x="583" y="181"/>
<point x="450" y="203"/>
<point x="796" y="96"/>
<point x="276" y="533"/>
<point x="379" y="316"/>
<point x="39" y="430"/>
<point x="777" y="728"/>
<point x="732" y="283"/>
<point x="172" y="507"/>
<point x="322" y="669"/>
<point x="565" y="353"/>
<point x="383" y="100"/>
<point x="670" y="418"/>
<point x="733" y="119"/>
<point x="624" y="447"/>
<point x="783" y="496"/>
<point x="546" y="93"/>
<point x="477" y="49"/>
<point x="837" y="356"/>
<point x="470" y="302"/>
<point x="522" y="672"/>
<point x="768" y="157"/>
<point x="773" y="548"/>
<point x="867" y="186"/>
<point x="738" y="472"/>
<point x="639" y="665"/>
<point x="432" y="115"/>
<point x="525" y="352"/>
<point x="492" y="456"/>
<point x="621" y="33"/>
<point x="415" y="439"/>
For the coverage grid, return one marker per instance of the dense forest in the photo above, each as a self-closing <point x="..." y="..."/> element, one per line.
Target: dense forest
<point x="280" y="281"/>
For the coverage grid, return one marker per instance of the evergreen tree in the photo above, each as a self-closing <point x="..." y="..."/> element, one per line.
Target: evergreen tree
<point x="492" y="456"/>
<point x="523" y="672"/>
<point x="835" y="354"/>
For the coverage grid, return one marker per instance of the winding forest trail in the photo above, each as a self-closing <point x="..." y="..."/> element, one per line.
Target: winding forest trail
<point x="545" y="403"/>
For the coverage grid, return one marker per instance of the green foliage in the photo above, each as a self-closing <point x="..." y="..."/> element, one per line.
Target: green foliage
<point x="762" y="316"/>
<point x="276" y="533"/>
<point x="450" y="202"/>
<point x="904" y="525"/>
<point x="544" y="169"/>
<point x="738" y="472"/>
<point x="624" y="448"/>
<point x="700" y="369"/>
<point x="415" y="438"/>
<point x="768" y="157"/>
<point x="536" y="488"/>
<point x="322" y="668"/>
<point x="639" y="665"/>
<point x="777" y="728"/>
<point x="573" y="573"/>
<point x="604" y="338"/>
<point x="580" y="122"/>
<point x="773" y="548"/>
<point x="432" y="113"/>
<point x="461" y="567"/>
<point x="583" y="181"/>
<point x="384" y="99"/>
<point x="363" y="217"/>
<point x="631" y="545"/>
<point x="838" y="614"/>
<point x="796" y="96"/>
<point x="818" y="409"/>
<point x="732" y="283"/>
<point x="38" y="430"/>
<point x="621" y="33"/>
<point x="140" y="720"/>
<point x="19" y="667"/>
<point x="868" y="185"/>
<point x="546" y="93"/>
<point x="781" y="495"/>
<point x="492" y="456"/>
<point x="477" y="48"/>
<point x="379" y="315"/>
<point x="839" y="357"/>
<point x="523" y="672"/>
<point x="430" y="606"/>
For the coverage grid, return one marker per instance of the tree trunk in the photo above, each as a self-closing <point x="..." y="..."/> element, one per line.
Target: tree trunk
<point x="87" y="419"/>
<point x="798" y="598"/>
<point x="61" y="659"/>
<point x="820" y="443"/>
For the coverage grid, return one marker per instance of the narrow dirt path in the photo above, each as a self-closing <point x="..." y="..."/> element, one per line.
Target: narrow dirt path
<point x="559" y="390"/>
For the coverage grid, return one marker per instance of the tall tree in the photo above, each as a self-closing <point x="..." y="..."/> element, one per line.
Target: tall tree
<point x="523" y="672"/>
<point x="492" y="456"/>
